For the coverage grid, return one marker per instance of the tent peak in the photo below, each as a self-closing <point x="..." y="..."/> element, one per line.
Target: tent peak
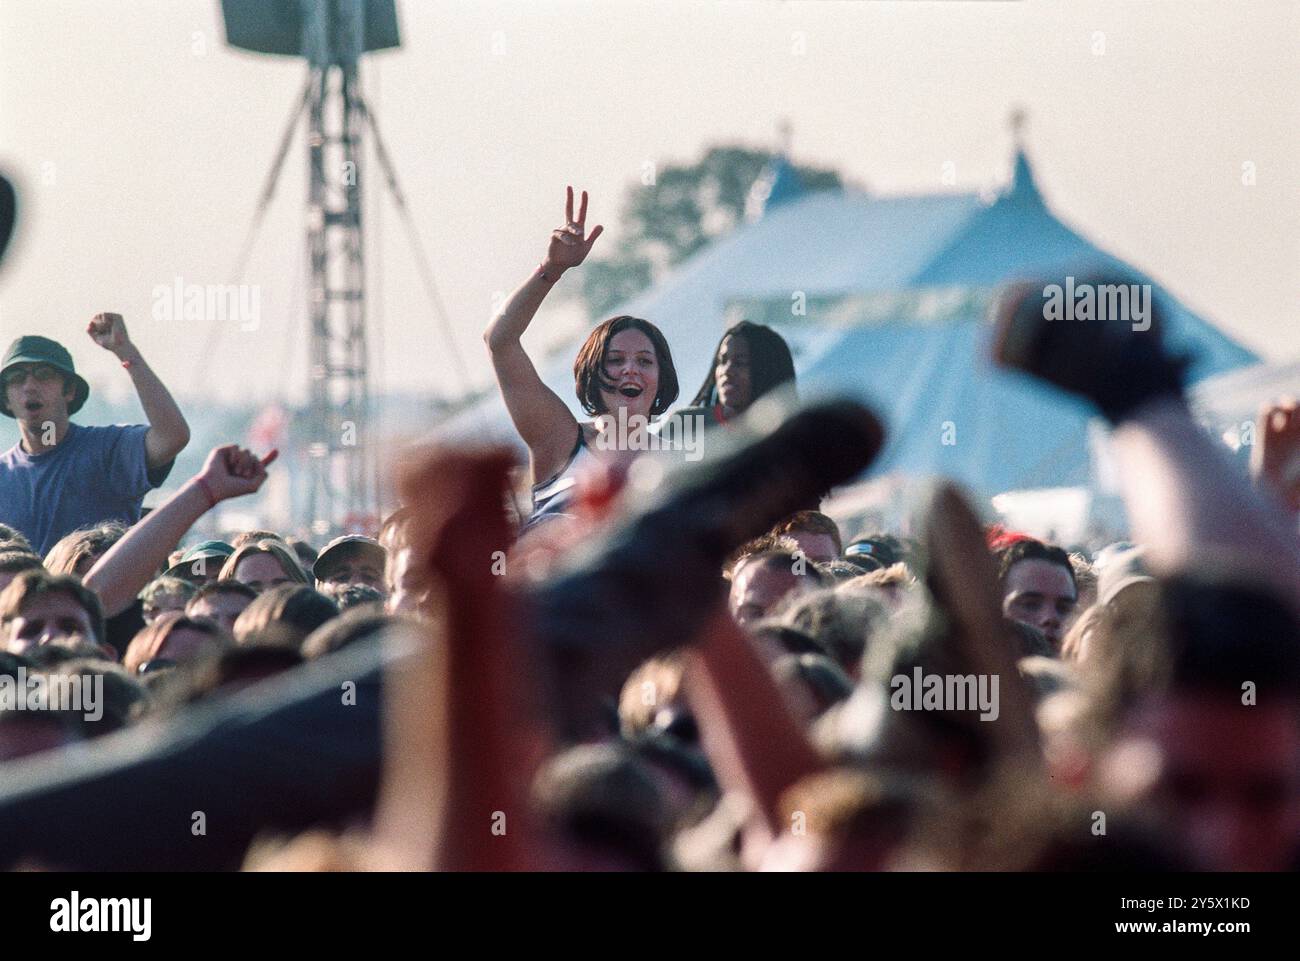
<point x="779" y="183"/>
<point x="1023" y="187"/>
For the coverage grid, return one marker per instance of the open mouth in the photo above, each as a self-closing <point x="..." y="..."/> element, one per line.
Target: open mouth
<point x="32" y="405"/>
<point x="630" y="390"/>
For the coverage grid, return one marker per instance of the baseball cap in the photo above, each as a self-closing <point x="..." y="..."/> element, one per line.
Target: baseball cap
<point x="1118" y="569"/>
<point x="884" y="551"/>
<point x="333" y="552"/>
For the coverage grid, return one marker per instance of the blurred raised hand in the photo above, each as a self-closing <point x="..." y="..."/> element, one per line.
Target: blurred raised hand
<point x="1275" y="457"/>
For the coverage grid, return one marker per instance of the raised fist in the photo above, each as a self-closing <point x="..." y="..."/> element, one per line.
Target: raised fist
<point x="231" y="471"/>
<point x="109" y="331"/>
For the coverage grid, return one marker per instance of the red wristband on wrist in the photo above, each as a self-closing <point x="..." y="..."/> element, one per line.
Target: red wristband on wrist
<point x="207" y="489"/>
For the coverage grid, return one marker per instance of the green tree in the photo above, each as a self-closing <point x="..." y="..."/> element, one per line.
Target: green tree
<point x="682" y="211"/>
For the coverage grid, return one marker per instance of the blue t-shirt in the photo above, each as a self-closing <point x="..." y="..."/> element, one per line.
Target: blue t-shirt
<point x="97" y="474"/>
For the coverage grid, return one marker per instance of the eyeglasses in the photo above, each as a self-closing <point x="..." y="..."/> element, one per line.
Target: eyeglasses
<point x="44" y="374"/>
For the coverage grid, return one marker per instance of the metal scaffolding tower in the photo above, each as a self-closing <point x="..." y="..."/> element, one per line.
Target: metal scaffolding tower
<point x="342" y="484"/>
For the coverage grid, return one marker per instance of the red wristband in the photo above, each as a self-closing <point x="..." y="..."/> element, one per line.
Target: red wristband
<point x="126" y="364"/>
<point x="207" y="489"/>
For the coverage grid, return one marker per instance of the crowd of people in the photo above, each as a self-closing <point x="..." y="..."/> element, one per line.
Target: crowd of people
<point x="664" y="666"/>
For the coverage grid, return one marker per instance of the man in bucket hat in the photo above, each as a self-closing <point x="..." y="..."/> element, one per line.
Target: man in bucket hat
<point x="62" y="476"/>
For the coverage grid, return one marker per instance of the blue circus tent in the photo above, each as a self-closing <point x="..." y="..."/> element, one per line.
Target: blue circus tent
<point x="886" y="298"/>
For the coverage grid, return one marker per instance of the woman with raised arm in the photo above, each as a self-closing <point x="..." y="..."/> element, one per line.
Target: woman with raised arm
<point x="624" y="369"/>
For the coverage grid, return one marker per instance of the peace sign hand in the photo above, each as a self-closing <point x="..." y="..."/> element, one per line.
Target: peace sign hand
<point x="569" y="246"/>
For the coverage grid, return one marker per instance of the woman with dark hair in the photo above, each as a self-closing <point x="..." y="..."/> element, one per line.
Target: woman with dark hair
<point x="623" y="371"/>
<point x="750" y="361"/>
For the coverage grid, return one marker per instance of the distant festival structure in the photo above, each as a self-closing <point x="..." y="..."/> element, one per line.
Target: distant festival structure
<point x="332" y="35"/>
<point x="886" y="298"/>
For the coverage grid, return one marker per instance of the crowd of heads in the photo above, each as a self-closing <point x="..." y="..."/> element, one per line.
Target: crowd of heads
<point x="850" y="698"/>
<point x="218" y="615"/>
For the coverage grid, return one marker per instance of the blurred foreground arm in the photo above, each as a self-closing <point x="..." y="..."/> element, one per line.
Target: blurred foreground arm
<point x="1275" y="457"/>
<point x="1185" y="500"/>
<point x="752" y="737"/>
<point x="651" y="582"/>
<point x="464" y="741"/>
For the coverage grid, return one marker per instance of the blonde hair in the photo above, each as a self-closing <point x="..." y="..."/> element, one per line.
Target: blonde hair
<point x="250" y="537"/>
<point x="89" y="542"/>
<point x="895" y="575"/>
<point x="278" y="549"/>
<point x="1074" y="644"/>
<point x="636" y="712"/>
<point x="1085" y="580"/>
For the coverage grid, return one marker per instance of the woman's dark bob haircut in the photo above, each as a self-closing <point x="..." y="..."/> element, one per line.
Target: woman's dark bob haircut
<point x="589" y="369"/>
<point x="770" y="363"/>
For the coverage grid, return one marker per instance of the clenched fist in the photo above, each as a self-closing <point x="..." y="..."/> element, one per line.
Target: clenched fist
<point x="231" y="471"/>
<point x="109" y="331"/>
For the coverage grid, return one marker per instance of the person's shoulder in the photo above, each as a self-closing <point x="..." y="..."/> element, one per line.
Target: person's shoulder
<point x="106" y="432"/>
<point x="690" y="412"/>
<point x="701" y="415"/>
<point x="12" y="455"/>
<point x="105" y="440"/>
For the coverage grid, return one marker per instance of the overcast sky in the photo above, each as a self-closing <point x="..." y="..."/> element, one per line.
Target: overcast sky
<point x="140" y="143"/>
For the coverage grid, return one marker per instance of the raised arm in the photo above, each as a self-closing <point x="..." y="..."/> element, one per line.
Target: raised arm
<point x="1275" y="457"/>
<point x="132" y="562"/>
<point x="463" y="736"/>
<point x="168" y="433"/>
<point x="544" y="422"/>
<point x="750" y="733"/>
<point x="1186" y="502"/>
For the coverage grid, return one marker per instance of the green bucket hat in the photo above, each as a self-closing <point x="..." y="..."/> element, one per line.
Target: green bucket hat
<point x="34" y="349"/>
<point x="207" y="550"/>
